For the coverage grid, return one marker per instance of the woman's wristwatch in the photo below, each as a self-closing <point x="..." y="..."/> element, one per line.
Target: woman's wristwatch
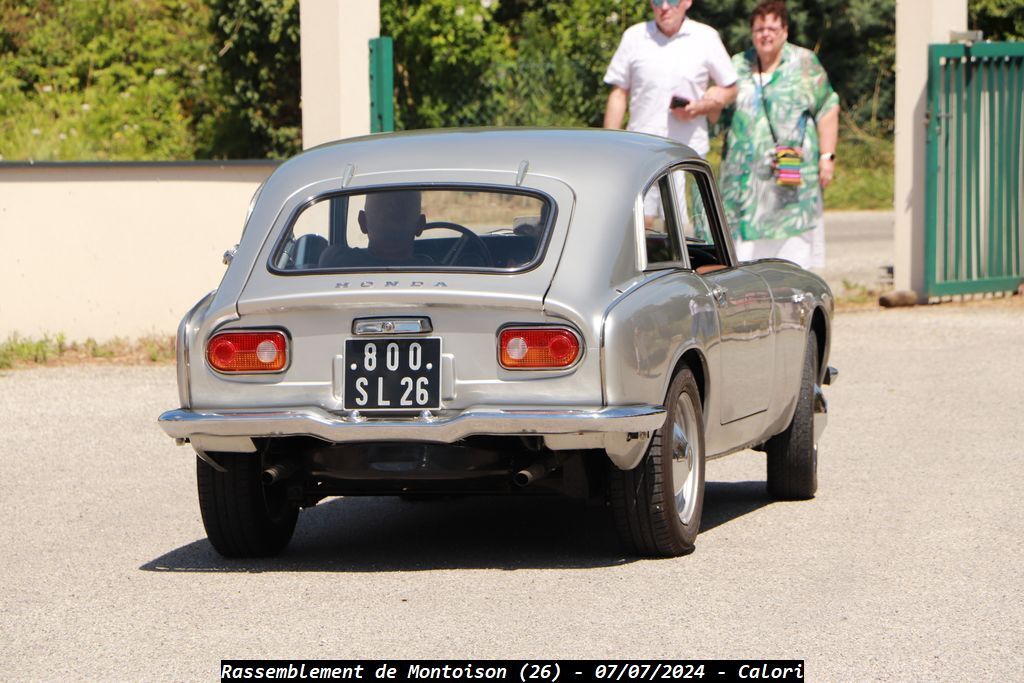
<point x="828" y="156"/>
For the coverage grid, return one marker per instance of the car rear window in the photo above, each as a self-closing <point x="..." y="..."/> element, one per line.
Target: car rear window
<point x="417" y="228"/>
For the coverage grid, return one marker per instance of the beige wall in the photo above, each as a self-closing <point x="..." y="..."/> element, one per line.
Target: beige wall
<point x="105" y="250"/>
<point x="918" y="23"/>
<point x="335" y="52"/>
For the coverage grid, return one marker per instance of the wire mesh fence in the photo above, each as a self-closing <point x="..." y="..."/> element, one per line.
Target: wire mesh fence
<point x="556" y="92"/>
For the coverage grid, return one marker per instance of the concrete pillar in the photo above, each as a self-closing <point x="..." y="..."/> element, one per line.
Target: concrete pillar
<point x="335" y="55"/>
<point x="918" y="23"/>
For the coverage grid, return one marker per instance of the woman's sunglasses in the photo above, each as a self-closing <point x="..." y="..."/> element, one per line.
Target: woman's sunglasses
<point x="670" y="3"/>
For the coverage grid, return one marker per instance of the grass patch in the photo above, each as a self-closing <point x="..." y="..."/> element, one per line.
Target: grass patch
<point x="18" y="351"/>
<point x="864" y="174"/>
<point x="856" y="296"/>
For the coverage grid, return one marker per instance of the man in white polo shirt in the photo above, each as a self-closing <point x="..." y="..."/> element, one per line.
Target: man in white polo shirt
<point x="670" y="58"/>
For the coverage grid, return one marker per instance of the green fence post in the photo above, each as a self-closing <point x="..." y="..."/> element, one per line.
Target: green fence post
<point x="382" y="85"/>
<point x="935" y="124"/>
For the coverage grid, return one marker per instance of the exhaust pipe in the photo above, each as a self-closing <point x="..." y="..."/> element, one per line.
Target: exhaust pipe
<point x="525" y="477"/>
<point x="538" y="470"/>
<point x="278" y="472"/>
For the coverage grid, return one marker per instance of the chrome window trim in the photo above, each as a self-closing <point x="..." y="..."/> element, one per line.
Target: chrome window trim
<point x="704" y="178"/>
<point x="710" y="194"/>
<point x="643" y="265"/>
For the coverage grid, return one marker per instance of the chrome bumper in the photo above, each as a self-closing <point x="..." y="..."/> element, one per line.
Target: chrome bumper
<point x="444" y="427"/>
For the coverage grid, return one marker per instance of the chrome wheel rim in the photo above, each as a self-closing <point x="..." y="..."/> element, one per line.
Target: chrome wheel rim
<point x="685" y="457"/>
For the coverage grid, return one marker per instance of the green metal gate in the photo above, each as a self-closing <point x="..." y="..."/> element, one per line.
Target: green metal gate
<point x="975" y="168"/>
<point x="382" y="85"/>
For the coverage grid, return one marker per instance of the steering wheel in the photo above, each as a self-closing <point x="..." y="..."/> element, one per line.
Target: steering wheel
<point x="466" y="237"/>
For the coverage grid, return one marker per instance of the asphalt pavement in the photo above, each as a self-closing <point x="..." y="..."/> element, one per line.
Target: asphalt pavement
<point x="906" y="566"/>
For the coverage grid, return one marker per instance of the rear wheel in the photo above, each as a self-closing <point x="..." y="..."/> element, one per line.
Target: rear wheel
<point x="793" y="455"/>
<point x="243" y="517"/>
<point x="658" y="504"/>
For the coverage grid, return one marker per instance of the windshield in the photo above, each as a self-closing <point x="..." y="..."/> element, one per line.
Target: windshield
<point x="411" y="228"/>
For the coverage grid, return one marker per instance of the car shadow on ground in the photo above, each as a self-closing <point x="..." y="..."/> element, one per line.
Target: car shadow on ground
<point x="725" y="501"/>
<point x="389" y="534"/>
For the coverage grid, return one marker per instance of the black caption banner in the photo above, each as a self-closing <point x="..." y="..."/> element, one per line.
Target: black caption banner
<point x="520" y="670"/>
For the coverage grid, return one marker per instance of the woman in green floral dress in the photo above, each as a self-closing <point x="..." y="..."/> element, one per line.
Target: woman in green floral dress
<point x="784" y="99"/>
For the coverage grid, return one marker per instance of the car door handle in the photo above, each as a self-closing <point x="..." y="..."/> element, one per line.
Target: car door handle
<point x="719" y="292"/>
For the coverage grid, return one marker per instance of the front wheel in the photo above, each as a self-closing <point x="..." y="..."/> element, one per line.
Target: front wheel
<point x="793" y="455"/>
<point x="243" y="517"/>
<point x="658" y="504"/>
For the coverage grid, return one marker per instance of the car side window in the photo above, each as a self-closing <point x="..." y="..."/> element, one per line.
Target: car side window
<point x="661" y="232"/>
<point x="310" y="237"/>
<point x="692" y="216"/>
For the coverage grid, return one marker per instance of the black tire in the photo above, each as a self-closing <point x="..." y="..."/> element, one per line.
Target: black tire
<point x="793" y="455"/>
<point x="643" y="499"/>
<point x="243" y="518"/>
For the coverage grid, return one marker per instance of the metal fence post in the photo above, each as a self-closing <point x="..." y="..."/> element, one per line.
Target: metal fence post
<point x="382" y="85"/>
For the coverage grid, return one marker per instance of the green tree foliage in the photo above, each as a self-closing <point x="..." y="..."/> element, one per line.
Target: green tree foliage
<point x="514" y="62"/>
<point x="102" y="79"/>
<point x="998" y="19"/>
<point x="149" y="79"/>
<point x="180" y="79"/>
<point x="450" y="57"/>
<point x="564" y="50"/>
<point x="257" y="52"/>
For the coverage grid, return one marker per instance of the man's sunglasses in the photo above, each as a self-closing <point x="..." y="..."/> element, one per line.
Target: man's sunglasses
<point x="671" y="3"/>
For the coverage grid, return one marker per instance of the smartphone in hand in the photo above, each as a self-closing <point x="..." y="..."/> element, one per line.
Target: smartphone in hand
<point x="678" y="102"/>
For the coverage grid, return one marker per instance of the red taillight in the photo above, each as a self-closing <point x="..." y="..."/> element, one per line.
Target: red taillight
<point x="247" y="351"/>
<point x="537" y="348"/>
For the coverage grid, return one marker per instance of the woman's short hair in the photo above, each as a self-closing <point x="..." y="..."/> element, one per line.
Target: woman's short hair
<point x="767" y="7"/>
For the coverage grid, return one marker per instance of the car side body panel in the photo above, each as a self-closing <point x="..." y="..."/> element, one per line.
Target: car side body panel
<point x="746" y="362"/>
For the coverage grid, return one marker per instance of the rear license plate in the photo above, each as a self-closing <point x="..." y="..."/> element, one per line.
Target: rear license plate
<point x="393" y="374"/>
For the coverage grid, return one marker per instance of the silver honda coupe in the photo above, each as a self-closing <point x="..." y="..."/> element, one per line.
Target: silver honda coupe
<point x="491" y="312"/>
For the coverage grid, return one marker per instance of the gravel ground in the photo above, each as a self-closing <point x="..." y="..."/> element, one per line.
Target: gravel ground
<point x="907" y="566"/>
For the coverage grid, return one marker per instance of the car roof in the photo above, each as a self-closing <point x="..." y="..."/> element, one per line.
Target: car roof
<point x="576" y="156"/>
<point x="601" y="174"/>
